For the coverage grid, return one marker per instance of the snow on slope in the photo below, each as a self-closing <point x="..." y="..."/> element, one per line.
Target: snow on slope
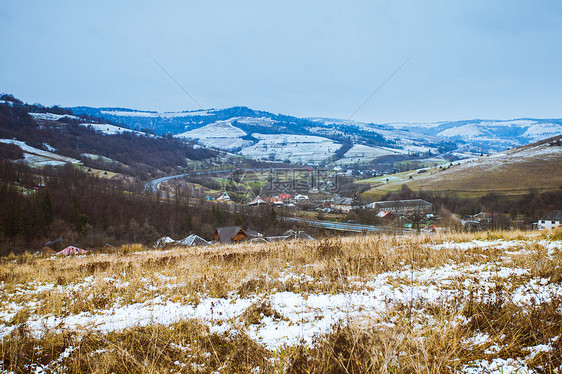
<point x="545" y="130"/>
<point x="38" y="157"/>
<point x="100" y="127"/>
<point x="542" y="153"/>
<point x="295" y="148"/>
<point x="262" y="121"/>
<point x="362" y="153"/>
<point x="219" y="129"/>
<point x="126" y="113"/>
<point x="221" y="135"/>
<point x="111" y="129"/>
<point x="466" y="132"/>
<point x="51" y="116"/>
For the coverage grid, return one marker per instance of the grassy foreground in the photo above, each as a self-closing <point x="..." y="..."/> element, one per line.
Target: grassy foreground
<point x="419" y="304"/>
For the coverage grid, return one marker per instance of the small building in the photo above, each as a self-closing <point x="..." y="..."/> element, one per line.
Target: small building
<point x="193" y="241"/>
<point x="402" y="206"/>
<point x="234" y="234"/>
<point x="345" y="204"/>
<point x="284" y="197"/>
<point x="431" y="228"/>
<point x="257" y="201"/>
<point x="230" y="234"/>
<point x="386" y="215"/>
<point x="483" y="217"/>
<point x="551" y="221"/>
<point x="71" y="250"/>
<point x="297" y="235"/>
<point x="301" y="198"/>
<point x="290" y="235"/>
<point x="224" y="198"/>
<point x="164" y="242"/>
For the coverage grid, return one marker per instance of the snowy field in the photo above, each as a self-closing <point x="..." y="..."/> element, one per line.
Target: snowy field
<point x="301" y="292"/>
<point x="220" y="135"/>
<point x="295" y="148"/>
<point x="362" y="154"/>
<point x="104" y="128"/>
<point x="38" y="157"/>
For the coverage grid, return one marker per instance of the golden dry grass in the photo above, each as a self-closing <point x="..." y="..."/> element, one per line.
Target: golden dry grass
<point x="411" y="336"/>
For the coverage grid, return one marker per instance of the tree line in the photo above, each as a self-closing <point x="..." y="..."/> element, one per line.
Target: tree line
<point x="140" y="156"/>
<point x="63" y="202"/>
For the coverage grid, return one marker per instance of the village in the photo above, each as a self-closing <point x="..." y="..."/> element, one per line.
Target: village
<point x="411" y="216"/>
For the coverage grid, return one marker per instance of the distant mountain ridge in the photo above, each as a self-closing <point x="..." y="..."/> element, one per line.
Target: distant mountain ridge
<point x="246" y="131"/>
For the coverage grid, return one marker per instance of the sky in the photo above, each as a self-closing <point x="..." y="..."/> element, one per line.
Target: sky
<point x="472" y="59"/>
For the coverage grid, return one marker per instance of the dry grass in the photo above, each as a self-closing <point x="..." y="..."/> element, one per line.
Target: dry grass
<point x="414" y="336"/>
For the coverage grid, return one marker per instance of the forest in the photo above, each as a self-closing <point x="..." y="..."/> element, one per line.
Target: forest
<point x="39" y="206"/>
<point x="140" y="156"/>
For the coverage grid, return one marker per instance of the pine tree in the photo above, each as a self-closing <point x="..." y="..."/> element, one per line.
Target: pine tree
<point x="47" y="210"/>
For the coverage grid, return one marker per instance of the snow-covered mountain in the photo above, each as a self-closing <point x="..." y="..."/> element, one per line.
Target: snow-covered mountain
<point x="503" y="133"/>
<point x="268" y="136"/>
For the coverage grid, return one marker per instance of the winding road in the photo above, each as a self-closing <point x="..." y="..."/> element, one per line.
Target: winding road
<point x="154" y="185"/>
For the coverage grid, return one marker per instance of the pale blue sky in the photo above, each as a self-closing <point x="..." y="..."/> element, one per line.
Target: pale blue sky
<point x="472" y="59"/>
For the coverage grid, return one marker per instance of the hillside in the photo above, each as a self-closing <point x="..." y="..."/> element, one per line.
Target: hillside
<point x="346" y="143"/>
<point x="42" y="136"/>
<point x="447" y="303"/>
<point x="516" y="171"/>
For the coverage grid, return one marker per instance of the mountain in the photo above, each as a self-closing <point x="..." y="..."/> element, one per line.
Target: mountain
<point x="515" y="171"/>
<point x="494" y="134"/>
<point x="324" y="141"/>
<point x="40" y="136"/>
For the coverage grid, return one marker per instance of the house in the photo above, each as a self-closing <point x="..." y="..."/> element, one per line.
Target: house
<point x="429" y="228"/>
<point x="46" y="251"/>
<point x="257" y="201"/>
<point x="345" y="204"/>
<point x="301" y="198"/>
<point x="193" y="241"/>
<point x="402" y="206"/>
<point x="285" y="197"/>
<point x="163" y="242"/>
<point x="234" y="234"/>
<point x="551" y="221"/>
<point x="296" y="235"/>
<point x="483" y="217"/>
<point x="224" y="198"/>
<point x="290" y="235"/>
<point x="71" y="250"/>
<point x="230" y="234"/>
<point x="386" y="215"/>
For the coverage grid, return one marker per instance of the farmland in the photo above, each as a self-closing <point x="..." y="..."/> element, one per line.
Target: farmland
<point x="437" y="303"/>
<point x="510" y="172"/>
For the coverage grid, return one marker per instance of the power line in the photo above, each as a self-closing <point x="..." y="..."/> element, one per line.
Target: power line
<point x="174" y="79"/>
<point x="380" y="87"/>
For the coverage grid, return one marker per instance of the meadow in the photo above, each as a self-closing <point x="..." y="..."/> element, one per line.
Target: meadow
<point x="446" y="303"/>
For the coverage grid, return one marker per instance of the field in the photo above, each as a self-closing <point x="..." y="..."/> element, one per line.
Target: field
<point x="511" y="172"/>
<point x="443" y="303"/>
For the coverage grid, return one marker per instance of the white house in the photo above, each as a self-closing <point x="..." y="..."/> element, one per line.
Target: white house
<point x="224" y="198"/>
<point x="551" y="221"/>
<point x="301" y="198"/>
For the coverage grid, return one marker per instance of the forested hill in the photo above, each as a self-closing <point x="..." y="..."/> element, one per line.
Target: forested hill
<point x="246" y="119"/>
<point x="56" y="133"/>
<point x="267" y="136"/>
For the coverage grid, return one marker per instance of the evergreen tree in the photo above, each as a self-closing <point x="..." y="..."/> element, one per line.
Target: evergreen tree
<point x="47" y="210"/>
